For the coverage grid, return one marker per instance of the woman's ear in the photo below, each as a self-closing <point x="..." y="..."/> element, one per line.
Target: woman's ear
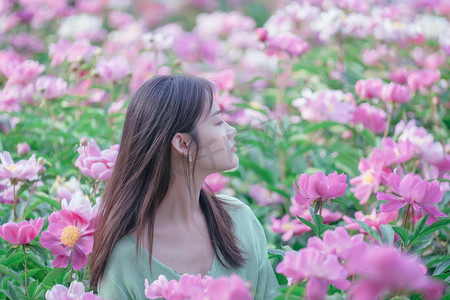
<point x="180" y="143"/>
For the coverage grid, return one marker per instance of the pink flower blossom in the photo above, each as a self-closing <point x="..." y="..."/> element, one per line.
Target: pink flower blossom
<point x="288" y="227"/>
<point x="371" y="117"/>
<point x="423" y="79"/>
<point x="264" y="196"/>
<point x="113" y="69"/>
<point x="192" y="47"/>
<point x="386" y="271"/>
<point x="396" y="153"/>
<point x="374" y="220"/>
<point x="319" y="187"/>
<point x="64" y="50"/>
<point x="320" y="269"/>
<point x="394" y="92"/>
<point x="224" y="79"/>
<point x="118" y="19"/>
<point x="21" y="233"/>
<point x="372" y="57"/>
<point x="51" y="87"/>
<point x="23" y="148"/>
<point x="414" y="191"/>
<point x="325" y="105"/>
<point x="370" y="178"/>
<point x="399" y="76"/>
<point x="285" y="45"/>
<point x="91" y="6"/>
<point x="71" y="230"/>
<point x="10" y="98"/>
<point x="369" y="88"/>
<point x="96" y="163"/>
<point x="22" y="170"/>
<point x="76" y="291"/>
<point x="425" y="60"/>
<point x="217" y="182"/>
<point x="22" y="72"/>
<point x="197" y="288"/>
<point x="25" y="42"/>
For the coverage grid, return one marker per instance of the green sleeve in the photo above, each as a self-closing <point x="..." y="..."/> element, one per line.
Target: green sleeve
<point x="267" y="287"/>
<point x="109" y="289"/>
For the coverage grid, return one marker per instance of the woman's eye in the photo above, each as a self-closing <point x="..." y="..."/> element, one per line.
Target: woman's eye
<point x="220" y="123"/>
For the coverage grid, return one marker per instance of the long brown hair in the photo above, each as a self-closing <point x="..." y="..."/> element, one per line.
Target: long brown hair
<point x="160" y="108"/>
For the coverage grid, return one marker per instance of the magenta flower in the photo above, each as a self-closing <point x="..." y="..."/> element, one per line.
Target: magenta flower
<point x="118" y="19"/>
<point x="22" y="72"/>
<point x="22" y="170"/>
<point x="217" y="182"/>
<point x="113" y="69"/>
<point x="399" y="76"/>
<point x="224" y="79"/>
<point x="430" y="61"/>
<point x="96" y="163"/>
<point x="423" y="79"/>
<point x="394" y="92"/>
<point x="319" y="269"/>
<point x="161" y="288"/>
<point x="264" y="196"/>
<point x="370" y="117"/>
<point x="319" y="187"/>
<point x="76" y="291"/>
<point x="286" y="45"/>
<point x="374" y="220"/>
<point x="386" y="271"/>
<point x="51" y="87"/>
<point x="23" y="148"/>
<point x="228" y="288"/>
<point x="396" y="153"/>
<point x="21" y="233"/>
<point x="414" y="191"/>
<point x="369" y="88"/>
<point x="369" y="180"/>
<point x="71" y="230"/>
<point x="288" y="227"/>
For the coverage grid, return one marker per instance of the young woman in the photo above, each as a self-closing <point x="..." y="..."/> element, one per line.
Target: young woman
<point x="157" y="217"/>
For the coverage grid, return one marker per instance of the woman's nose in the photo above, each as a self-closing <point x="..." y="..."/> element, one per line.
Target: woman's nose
<point x="231" y="131"/>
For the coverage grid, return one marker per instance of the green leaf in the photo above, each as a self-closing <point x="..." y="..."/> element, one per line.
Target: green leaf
<point x="340" y="201"/>
<point x="11" y="290"/>
<point x="441" y="223"/>
<point x="442" y="267"/>
<point x="12" y="274"/>
<point x="39" y="251"/>
<point x="309" y="224"/>
<point x="44" y="198"/>
<point x="276" y="252"/>
<point x="388" y="233"/>
<point x="52" y="275"/>
<point x="403" y="233"/>
<point x="420" y="225"/>
<point x="420" y="246"/>
<point x="11" y="250"/>
<point x="370" y="231"/>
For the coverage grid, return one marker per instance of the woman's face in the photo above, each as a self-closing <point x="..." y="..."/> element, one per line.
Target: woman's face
<point x="216" y="151"/>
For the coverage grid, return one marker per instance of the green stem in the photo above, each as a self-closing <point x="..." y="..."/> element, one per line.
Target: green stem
<point x="15" y="203"/>
<point x="71" y="273"/>
<point x="388" y="123"/>
<point x="291" y="289"/>
<point x="406" y="216"/>
<point x="26" y="268"/>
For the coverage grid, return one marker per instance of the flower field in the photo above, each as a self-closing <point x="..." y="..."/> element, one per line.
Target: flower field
<point x="341" y="110"/>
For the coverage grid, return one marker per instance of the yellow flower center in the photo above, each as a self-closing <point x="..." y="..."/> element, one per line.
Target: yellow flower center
<point x="330" y="108"/>
<point x="255" y="104"/>
<point x="288" y="226"/>
<point x="396" y="152"/>
<point x="367" y="177"/>
<point x="70" y="236"/>
<point x="12" y="167"/>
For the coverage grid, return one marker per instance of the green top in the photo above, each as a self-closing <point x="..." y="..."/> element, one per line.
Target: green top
<point x="125" y="273"/>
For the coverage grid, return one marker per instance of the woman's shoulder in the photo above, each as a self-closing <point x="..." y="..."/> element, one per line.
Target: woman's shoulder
<point x="235" y="206"/>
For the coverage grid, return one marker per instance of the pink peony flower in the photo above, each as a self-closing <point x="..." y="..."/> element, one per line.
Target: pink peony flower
<point x="264" y="196"/>
<point x="369" y="88"/>
<point x="228" y="288"/>
<point x="71" y="230"/>
<point x="161" y="288"/>
<point x="224" y="79"/>
<point x="51" y="87"/>
<point x="325" y="105"/>
<point x="96" y="163"/>
<point x="91" y="6"/>
<point x="22" y="170"/>
<point x="386" y="271"/>
<point x="396" y="153"/>
<point x="113" y="69"/>
<point x="425" y="60"/>
<point x="285" y="45"/>
<point x="64" y="50"/>
<point x="118" y="19"/>
<point x="288" y="227"/>
<point x="399" y="76"/>
<point x="414" y="191"/>
<point x="423" y="79"/>
<point x="10" y="98"/>
<point x="21" y="233"/>
<point x="372" y="57"/>
<point x="374" y="220"/>
<point x="76" y="291"/>
<point x="370" y="177"/>
<point x="371" y="117"/>
<point x="23" y="148"/>
<point x="394" y="92"/>
<point x="320" y="269"/>
<point x="217" y="182"/>
<point x="319" y="187"/>
<point x="22" y="72"/>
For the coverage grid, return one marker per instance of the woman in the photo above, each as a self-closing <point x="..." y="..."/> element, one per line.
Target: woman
<point x="157" y="218"/>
